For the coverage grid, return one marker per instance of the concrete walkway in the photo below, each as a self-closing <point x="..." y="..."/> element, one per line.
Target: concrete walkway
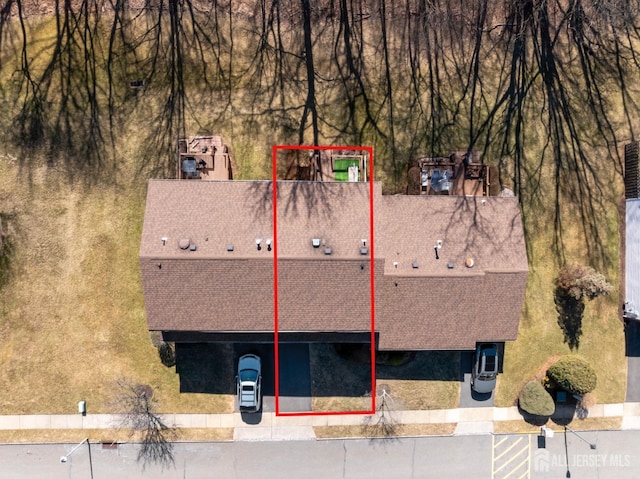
<point x="479" y="420"/>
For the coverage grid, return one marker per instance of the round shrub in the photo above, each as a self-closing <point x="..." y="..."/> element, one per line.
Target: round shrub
<point x="582" y="281"/>
<point x="573" y="374"/>
<point x="535" y="400"/>
<point x="167" y="354"/>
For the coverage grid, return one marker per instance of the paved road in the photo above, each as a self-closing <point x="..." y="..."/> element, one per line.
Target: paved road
<point x="511" y="456"/>
<point x="426" y="457"/>
<point x="617" y="456"/>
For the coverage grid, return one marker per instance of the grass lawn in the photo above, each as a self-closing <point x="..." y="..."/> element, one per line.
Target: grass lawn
<point x="74" y="321"/>
<point x="106" y="436"/>
<point x="540" y="337"/>
<point x="73" y="314"/>
<point x="73" y="317"/>
<point x="589" y="424"/>
<point x="401" y="430"/>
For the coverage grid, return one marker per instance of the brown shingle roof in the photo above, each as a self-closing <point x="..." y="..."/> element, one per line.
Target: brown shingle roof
<point x="431" y="307"/>
<point x="449" y="313"/>
<point x="208" y="295"/>
<point x="487" y="229"/>
<point x="216" y="214"/>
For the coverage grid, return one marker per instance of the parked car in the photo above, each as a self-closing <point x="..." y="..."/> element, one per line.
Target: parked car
<point x="485" y="368"/>
<point x="248" y="383"/>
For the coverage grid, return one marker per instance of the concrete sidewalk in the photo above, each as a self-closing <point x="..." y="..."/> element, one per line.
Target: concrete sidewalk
<point x="271" y="427"/>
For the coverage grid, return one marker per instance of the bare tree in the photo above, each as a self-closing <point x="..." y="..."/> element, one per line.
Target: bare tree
<point x="138" y="414"/>
<point x="382" y="424"/>
<point x="558" y="77"/>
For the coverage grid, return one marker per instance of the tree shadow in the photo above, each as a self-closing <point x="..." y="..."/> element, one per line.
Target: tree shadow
<point x="205" y="368"/>
<point x="352" y="363"/>
<point x="7" y="247"/>
<point x="564" y="413"/>
<point x="533" y="419"/>
<point x="570" y="312"/>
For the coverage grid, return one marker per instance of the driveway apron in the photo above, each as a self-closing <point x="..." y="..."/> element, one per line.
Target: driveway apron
<point x="632" y="338"/>
<point x="295" y="380"/>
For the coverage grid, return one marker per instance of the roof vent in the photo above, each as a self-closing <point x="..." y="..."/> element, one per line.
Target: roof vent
<point x="229" y="247"/>
<point x="327" y="251"/>
<point x="164" y="240"/>
<point x="469" y="262"/>
<point x="364" y="251"/>
<point x="268" y="245"/>
<point x="184" y="243"/>
<point x="414" y="265"/>
<point x="450" y="265"/>
<point x="315" y="242"/>
<point x="192" y="247"/>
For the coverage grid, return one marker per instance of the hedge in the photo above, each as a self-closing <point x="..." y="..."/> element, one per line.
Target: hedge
<point x="535" y="400"/>
<point x="573" y="374"/>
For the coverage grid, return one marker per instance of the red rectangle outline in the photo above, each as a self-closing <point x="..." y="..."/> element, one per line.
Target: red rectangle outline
<point x="274" y="155"/>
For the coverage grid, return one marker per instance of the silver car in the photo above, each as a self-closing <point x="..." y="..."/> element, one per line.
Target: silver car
<point x="248" y="383"/>
<point x="485" y="368"/>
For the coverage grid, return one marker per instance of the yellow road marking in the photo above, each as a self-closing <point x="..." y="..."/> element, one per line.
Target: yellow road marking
<point x="501" y="441"/>
<point x="493" y="450"/>
<point x="529" y="467"/>
<point x="509" y="461"/>
<point x="513" y="471"/>
<point x="509" y="448"/>
<point x="518" y="454"/>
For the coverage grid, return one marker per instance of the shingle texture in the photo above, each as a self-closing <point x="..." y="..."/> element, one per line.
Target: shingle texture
<point x="420" y="302"/>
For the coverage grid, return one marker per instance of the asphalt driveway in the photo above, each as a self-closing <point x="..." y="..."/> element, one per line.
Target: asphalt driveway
<point x="294" y="375"/>
<point x="632" y="351"/>
<point x="295" y="379"/>
<point x="468" y="397"/>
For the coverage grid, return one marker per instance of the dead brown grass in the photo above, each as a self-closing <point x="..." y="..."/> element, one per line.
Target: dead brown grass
<point x="413" y="395"/>
<point x="401" y="430"/>
<point x="589" y="424"/>
<point x="205" y="434"/>
<point x="106" y="436"/>
<point x="73" y="318"/>
<point x="341" y="404"/>
<point x="64" y="435"/>
<point x="540" y="338"/>
<point x="73" y="314"/>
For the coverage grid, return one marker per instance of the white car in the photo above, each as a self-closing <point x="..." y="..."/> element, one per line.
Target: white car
<point x="248" y="383"/>
<point x="485" y="368"/>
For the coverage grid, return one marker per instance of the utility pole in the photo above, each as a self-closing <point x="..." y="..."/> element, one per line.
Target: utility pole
<point x="64" y="459"/>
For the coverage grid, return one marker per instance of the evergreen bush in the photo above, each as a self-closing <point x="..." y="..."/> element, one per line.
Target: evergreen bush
<point x="573" y="374"/>
<point x="535" y="400"/>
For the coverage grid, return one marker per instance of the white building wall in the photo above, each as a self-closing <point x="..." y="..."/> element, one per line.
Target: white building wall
<point x="632" y="258"/>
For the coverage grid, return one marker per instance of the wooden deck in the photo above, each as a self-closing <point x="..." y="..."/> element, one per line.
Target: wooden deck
<point x="453" y="176"/>
<point x="204" y="158"/>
